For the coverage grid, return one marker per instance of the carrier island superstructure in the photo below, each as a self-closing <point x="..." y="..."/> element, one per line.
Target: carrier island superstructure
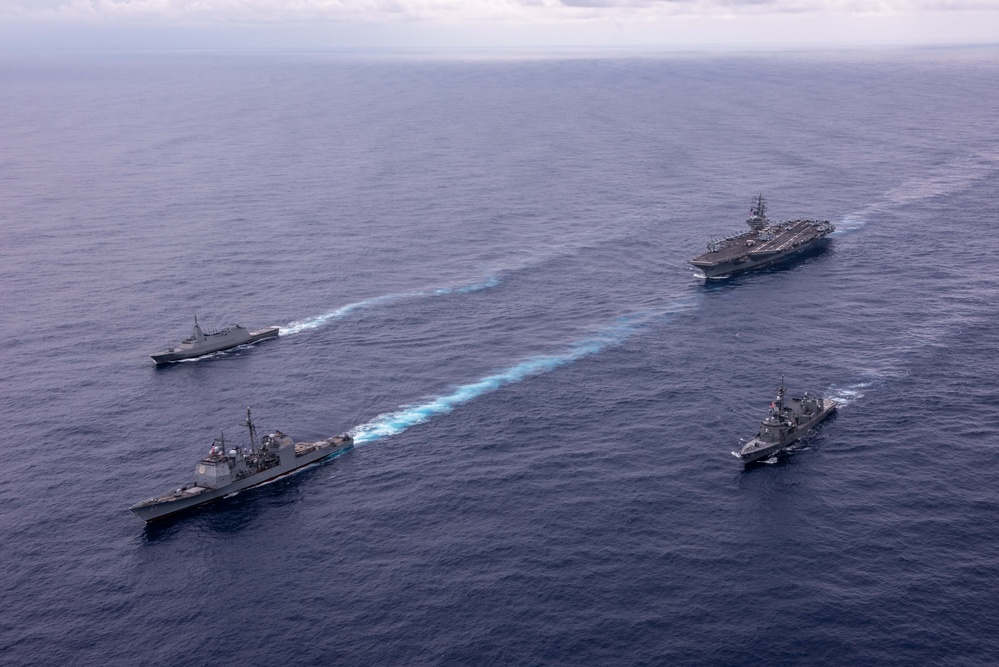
<point x="227" y="468"/>
<point x="764" y="244"/>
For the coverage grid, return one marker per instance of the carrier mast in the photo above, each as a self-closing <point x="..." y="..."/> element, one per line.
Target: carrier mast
<point x="758" y="214"/>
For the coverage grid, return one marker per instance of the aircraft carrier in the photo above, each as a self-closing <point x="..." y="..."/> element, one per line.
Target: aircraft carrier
<point x="788" y="420"/>
<point x="765" y="243"/>
<point x="227" y="469"/>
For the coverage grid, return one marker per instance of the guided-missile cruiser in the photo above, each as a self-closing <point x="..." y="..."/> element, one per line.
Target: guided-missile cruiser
<point x="228" y="468"/>
<point x="201" y="342"/>
<point x="764" y="244"/>
<point x="788" y="420"/>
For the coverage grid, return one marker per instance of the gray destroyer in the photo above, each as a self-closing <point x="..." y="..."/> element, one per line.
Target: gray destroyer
<point x="200" y="343"/>
<point x="227" y="469"/>
<point x="789" y="419"/>
<point x="764" y="244"/>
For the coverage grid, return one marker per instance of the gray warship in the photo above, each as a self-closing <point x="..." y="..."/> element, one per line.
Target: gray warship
<point x="788" y="420"/>
<point x="227" y="469"/>
<point x="200" y="343"/>
<point x="764" y="244"/>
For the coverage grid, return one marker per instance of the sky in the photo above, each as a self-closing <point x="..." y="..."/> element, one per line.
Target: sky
<point x="492" y="24"/>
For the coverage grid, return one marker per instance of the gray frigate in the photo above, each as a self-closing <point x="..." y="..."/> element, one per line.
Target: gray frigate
<point x="227" y="468"/>
<point x="788" y="420"/>
<point x="200" y="342"/>
<point x="764" y="244"/>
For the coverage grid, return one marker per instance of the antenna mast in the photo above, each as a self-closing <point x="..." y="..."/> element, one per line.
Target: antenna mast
<point x="253" y="430"/>
<point x="758" y="214"/>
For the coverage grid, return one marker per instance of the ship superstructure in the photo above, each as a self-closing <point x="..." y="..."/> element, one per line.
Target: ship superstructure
<point x="228" y="468"/>
<point x="787" y="421"/>
<point x="202" y="342"/>
<point x="765" y="243"/>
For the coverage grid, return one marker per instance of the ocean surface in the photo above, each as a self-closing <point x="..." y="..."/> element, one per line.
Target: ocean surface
<point x="479" y="268"/>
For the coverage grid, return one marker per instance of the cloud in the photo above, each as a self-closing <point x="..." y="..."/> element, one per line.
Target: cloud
<point x="455" y="11"/>
<point x="491" y="24"/>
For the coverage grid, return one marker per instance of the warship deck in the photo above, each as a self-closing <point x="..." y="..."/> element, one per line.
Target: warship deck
<point x="303" y="448"/>
<point x="796" y="233"/>
<point x="791" y="234"/>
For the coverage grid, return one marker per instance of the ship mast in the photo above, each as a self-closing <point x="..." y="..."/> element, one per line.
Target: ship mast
<point x="760" y="206"/>
<point x="253" y="431"/>
<point x="758" y="214"/>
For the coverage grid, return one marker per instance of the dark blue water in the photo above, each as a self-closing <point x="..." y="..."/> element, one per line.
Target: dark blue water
<point x="480" y="269"/>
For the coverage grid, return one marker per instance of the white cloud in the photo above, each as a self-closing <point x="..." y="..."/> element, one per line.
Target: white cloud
<point x="497" y="24"/>
<point x="457" y="11"/>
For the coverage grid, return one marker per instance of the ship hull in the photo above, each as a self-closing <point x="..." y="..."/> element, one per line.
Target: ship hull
<point x="254" y="337"/>
<point x="752" y="455"/>
<point x="746" y="263"/>
<point x="189" y="498"/>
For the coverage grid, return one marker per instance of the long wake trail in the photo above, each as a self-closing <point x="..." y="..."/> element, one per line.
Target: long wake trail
<point x="317" y="321"/>
<point x="393" y="423"/>
<point x="952" y="176"/>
